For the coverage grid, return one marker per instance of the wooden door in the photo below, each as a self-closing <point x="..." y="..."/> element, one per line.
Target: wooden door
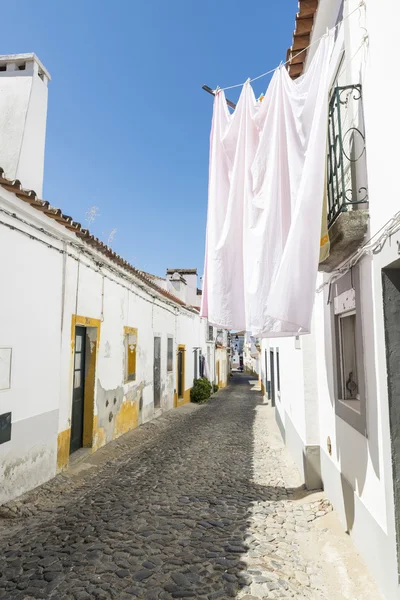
<point x="157" y="372"/>
<point x="78" y="390"/>
<point x="181" y="371"/>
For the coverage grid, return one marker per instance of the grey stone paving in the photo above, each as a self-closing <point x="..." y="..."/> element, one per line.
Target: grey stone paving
<point x="180" y="516"/>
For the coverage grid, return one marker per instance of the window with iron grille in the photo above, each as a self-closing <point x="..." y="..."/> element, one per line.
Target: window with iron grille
<point x="347" y="187"/>
<point x="210" y="333"/>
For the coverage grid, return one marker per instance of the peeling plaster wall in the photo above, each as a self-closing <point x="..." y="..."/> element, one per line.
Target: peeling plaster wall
<point x="40" y="333"/>
<point x="121" y="405"/>
<point x="222" y="356"/>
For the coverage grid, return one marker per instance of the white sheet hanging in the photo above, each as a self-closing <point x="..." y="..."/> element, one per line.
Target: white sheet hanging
<point x="232" y="148"/>
<point x="288" y="173"/>
<point x="265" y="201"/>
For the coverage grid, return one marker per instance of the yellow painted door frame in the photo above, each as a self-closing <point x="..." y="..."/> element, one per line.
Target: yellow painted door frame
<point x="179" y="398"/>
<point x="88" y="406"/>
<point x="89" y="425"/>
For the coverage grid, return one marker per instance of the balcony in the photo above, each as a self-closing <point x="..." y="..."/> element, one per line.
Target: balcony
<point x="347" y="187"/>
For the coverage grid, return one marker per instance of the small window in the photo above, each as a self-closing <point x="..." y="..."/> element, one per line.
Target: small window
<point x="170" y="355"/>
<point x="130" y="353"/>
<point x="350" y="398"/>
<point x="210" y="333"/>
<point x="3" y="67"/>
<point x="348" y="358"/>
<point x="22" y="67"/>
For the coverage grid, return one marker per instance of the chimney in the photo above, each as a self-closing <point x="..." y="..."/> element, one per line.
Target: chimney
<point x="23" y="112"/>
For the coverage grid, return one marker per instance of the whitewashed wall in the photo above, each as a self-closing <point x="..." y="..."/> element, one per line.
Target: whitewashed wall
<point x="42" y="288"/>
<point x="356" y="473"/>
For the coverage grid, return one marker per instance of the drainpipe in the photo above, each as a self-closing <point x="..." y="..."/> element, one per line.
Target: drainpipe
<point x="77" y="284"/>
<point x="64" y="269"/>
<point x="102" y="299"/>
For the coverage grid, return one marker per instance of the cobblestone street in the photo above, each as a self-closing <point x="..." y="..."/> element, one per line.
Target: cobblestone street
<point x="200" y="503"/>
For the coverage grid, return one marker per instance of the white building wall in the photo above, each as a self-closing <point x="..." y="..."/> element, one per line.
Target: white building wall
<point x="356" y="468"/>
<point x="23" y="111"/>
<point x="30" y="320"/>
<point x="43" y="288"/>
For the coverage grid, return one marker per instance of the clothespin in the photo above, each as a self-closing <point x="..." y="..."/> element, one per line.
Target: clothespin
<point x="261" y="98"/>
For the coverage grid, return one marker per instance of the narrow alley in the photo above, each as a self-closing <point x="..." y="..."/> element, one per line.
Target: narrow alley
<point x="200" y="503"/>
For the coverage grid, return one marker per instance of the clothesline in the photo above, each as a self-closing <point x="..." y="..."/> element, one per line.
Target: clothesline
<point x="232" y="105"/>
<point x="257" y="219"/>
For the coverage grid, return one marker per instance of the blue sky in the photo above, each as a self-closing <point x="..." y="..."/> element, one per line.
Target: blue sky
<point x="128" y="123"/>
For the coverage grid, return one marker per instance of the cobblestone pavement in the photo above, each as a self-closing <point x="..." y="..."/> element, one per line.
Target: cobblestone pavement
<point x="192" y="505"/>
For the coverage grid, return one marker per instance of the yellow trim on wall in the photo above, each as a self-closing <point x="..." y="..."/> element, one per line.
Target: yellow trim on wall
<point x="127" y="418"/>
<point x="99" y="435"/>
<point x="184" y="400"/>
<point x="131" y="366"/>
<point x="85" y="322"/>
<point x="90" y="377"/>
<point x="181" y="399"/>
<point x="63" y="442"/>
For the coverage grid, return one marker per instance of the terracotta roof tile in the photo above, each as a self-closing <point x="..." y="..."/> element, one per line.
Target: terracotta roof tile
<point x="183" y="271"/>
<point x="296" y="55"/>
<point x="30" y="197"/>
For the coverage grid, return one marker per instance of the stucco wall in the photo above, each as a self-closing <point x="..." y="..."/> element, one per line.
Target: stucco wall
<point x="357" y="473"/>
<point x="47" y="291"/>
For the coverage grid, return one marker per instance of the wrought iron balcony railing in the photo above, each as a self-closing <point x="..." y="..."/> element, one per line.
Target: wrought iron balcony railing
<point x="347" y="187"/>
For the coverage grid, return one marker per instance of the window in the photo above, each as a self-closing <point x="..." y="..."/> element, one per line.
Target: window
<point x="170" y="354"/>
<point x="348" y="351"/>
<point x="130" y="334"/>
<point x="210" y="333"/>
<point x="348" y="360"/>
<point x="347" y="185"/>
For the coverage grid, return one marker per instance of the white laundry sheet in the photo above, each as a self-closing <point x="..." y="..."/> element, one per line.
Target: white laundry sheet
<point x="266" y="189"/>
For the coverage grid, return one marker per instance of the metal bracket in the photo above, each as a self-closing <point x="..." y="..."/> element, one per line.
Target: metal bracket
<point x="211" y="91"/>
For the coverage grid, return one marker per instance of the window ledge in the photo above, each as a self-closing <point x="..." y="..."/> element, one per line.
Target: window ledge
<point x="354" y="405"/>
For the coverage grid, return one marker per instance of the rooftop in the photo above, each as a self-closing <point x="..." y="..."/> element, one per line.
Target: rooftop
<point x="30" y="197"/>
<point x="182" y="271"/>
<point x="297" y="53"/>
<point x="20" y="58"/>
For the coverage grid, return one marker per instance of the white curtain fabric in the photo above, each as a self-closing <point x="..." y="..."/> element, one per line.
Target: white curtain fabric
<point x="266" y="188"/>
